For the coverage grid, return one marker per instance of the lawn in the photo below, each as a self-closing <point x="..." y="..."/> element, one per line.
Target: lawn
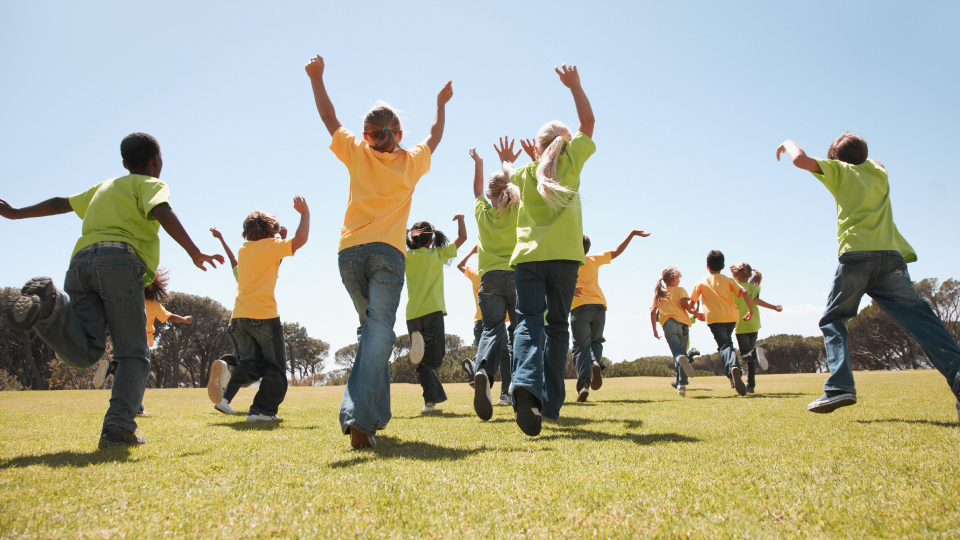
<point x="635" y="461"/>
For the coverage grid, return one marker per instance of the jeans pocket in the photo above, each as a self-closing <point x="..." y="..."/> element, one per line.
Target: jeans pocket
<point x="118" y="283"/>
<point x="391" y="275"/>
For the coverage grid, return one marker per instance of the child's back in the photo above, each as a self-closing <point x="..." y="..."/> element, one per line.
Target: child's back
<point x="425" y="280"/>
<point x="719" y="294"/>
<point x="258" y="264"/>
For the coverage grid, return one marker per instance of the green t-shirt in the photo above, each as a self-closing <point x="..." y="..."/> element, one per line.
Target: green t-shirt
<point x="753" y="325"/>
<point x="236" y="273"/>
<point x="864" y="214"/>
<point x="544" y="234"/>
<point x="498" y="236"/>
<point x="118" y="210"/>
<point x="425" y="280"/>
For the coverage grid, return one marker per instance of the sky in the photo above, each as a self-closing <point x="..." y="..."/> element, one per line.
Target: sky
<point x="691" y="101"/>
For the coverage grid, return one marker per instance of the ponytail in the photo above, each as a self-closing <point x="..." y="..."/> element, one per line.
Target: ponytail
<point x="421" y="234"/>
<point x="382" y="125"/>
<point x="552" y="141"/>
<point x="660" y="290"/>
<point x="756" y="277"/>
<point x="503" y="194"/>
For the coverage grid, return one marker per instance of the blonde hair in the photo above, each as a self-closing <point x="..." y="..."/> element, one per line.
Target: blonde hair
<point x="382" y="125"/>
<point x="743" y="270"/>
<point x="552" y="141"/>
<point x="502" y="192"/>
<point x="660" y="291"/>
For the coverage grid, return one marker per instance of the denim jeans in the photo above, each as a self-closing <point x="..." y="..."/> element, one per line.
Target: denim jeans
<point x="883" y="275"/>
<point x="586" y="325"/>
<point x="373" y="276"/>
<point x="261" y="355"/>
<point x="104" y="288"/>
<point x="748" y="346"/>
<point x="431" y="330"/>
<point x="497" y="297"/>
<point x="538" y="365"/>
<point x="677" y="335"/>
<point x="506" y="351"/>
<point x="723" y="335"/>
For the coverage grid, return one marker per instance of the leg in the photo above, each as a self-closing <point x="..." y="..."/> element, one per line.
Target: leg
<point x="596" y="345"/>
<point x="580" y="319"/>
<point x="434" y="337"/>
<point x="273" y="384"/>
<point x="561" y="283"/>
<point x="493" y="307"/>
<point x="747" y="344"/>
<point x="673" y="332"/>
<point x="723" y="334"/>
<point x="506" y="360"/>
<point x="527" y="365"/>
<point x="849" y="285"/>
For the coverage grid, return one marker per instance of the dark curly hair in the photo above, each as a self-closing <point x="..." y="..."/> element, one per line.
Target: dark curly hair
<point x="137" y="149"/>
<point x="157" y="291"/>
<point x="260" y="225"/>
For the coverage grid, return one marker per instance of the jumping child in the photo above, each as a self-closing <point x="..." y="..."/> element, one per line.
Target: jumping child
<point x="747" y="330"/>
<point x="672" y="307"/>
<point x="371" y="254"/>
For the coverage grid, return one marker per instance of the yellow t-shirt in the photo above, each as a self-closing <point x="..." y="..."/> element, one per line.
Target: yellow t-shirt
<point x="381" y="190"/>
<point x="474" y="276"/>
<point x="588" y="281"/>
<point x="719" y="293"/>
<point x="258" y="263"/>
<point x="670" y="307"/>
<point x="155" y="310"/>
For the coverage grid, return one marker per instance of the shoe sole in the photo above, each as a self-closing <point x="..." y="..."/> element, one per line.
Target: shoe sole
<point x="582" y="395"/>
<point x="224" y="410"/>
<point x="467" y="366"/>
<point x="107" y="443"/>
<point x="262" y="418"/>
<point x="482" y="404"/>
<point x="762" y="360"/>
<point x="596" y="377"/>
<point x="359" y="439"/>
<point x="686" y="367"/>
<point x="738" y="381"/>
<point x="416" y="348"/>
<point x="23" y="312"/>
<point x="682" y="392"/>
<point x="832" y="406"/>
<point x="101" y="375"/>
<point x="214" y="390"/>
<point x="528" y="421"/>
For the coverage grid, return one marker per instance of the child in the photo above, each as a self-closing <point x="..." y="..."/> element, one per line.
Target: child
<point x="255" y="325"/>
<point x="747" y="330"/>
<point x="672" y="307"/>
<point x="425" y="305"/>
<point x="371" y="254"/>
<point x="548" y="253"/>
<point x="114" y="259"/>
<point x="720" y="313"/>
<point x="588" y="314"/>
<point x="873" y="257"/>
<point x="497" y="295"/>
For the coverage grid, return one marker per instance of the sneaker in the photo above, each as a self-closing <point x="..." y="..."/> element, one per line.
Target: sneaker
<point x="831" y="401"/>
<point x="692" y="353"/>
<point x="737" y="380"/>
<point x="262" y="418"/>
<point x="482" y="404"/>
<point x="505" y="400"/>
<point x="582" y="394"/>
<point x="224" y="407"/>
<point x="674" y="384"/>
<point x="596" y="377"/>
<point x="359" y="439"/>
<point x="36" y="301"/>
<point x="101" y="375"/>
<point x="528" y="414"/>
<point x="761" y="359"/>
<point x="118" y="436"/>
<point x="467" y="366"/>
<point x="142" y="412"/>
<point x="429" y="407"/>
<point x="416" y="348"/>
<point x="749" y="389"/>
<point x="219" y="379"/>
<point x="681" y="390"/>
<point x="685" y="366"/>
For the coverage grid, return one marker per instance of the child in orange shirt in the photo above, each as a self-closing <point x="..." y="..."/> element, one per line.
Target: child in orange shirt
<point x="671" y="304"/>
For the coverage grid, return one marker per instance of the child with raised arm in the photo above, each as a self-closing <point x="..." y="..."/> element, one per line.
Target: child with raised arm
<point x="720" y="313"/>
<point x="371" y="254"/>
<point x="255" y="324"/>
<point x="747" y="330"/>
<point x="873" y="260"/>
<point x="497" y="295"/>
<point x="588" y="315"/>
<point x="548" y="253"/>
<point x="673" y="309"/>
<point x="112" y="262"/>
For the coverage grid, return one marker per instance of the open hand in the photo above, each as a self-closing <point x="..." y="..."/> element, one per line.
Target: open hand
<point x="640" y="234"/>
<point x="445" y="93"/>
<point x="568" y="75"/>
<point x="300" y="205"/>
<point x="216" y="233"/>
<point x="200" y="258"/>
<point x="476" y="157"/>
<point x="530" y="148"/>
<point x="506" y="152"/>
<point x="315" y="67"/>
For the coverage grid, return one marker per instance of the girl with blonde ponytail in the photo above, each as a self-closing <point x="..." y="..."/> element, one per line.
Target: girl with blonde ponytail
<point x="747" y="331"/>
<point x="547" y="256"/>
<point x="672" y="307"/>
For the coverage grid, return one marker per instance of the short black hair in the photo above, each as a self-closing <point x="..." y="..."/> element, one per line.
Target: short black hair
<point x="715" y="260"/>
<point x="137" y="149"/>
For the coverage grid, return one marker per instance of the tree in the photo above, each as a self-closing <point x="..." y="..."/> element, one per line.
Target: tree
<point x="876" y="342"/>
<point x="305" y="355"/>
<point x="190" y="349"/>
<point x="346" y="356"/>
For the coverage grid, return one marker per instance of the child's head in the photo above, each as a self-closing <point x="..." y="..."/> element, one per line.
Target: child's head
<point x="137" y="149"/>
<point x="586" y="244"/>
<point x="715" y="261"/>
<point x="381" y="128"/>
<point x="849" y="148"/>
<point x="742" y="272"/>
<point x="260" y="225"/>
<point x="669" y="278"/>
<point x="157" y="291"/>
<point x="552" y="140"/>
<point x="422" y="234"/>
<point x="501" y="192"/>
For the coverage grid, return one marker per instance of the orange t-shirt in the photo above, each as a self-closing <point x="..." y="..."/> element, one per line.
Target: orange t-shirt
<point x="258" y="263"/>
<point x="474" y="276"/>
<point x="588" y="279"/>
<point x="155" y="310"/>
<point x="670" y="307"/>
<point x="719" y="293"/>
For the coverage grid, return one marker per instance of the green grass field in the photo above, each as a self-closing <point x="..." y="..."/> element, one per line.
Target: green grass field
<point x="635" y="461"/>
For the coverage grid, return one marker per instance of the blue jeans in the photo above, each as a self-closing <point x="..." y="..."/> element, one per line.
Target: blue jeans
<point x="883" y="275"/>
<point x="432" y="331"/>
<point x="104" y="288"/>
<point x="261" y="355"/>
<point x="497" y="297"/>
<point x="373" y="276"/>
<point x="586" y="325"/>
<point x="506" y="351"/>
<point x="538" y="365"/>
<point x="723" y="335"/>
<point x="677" y="335"/>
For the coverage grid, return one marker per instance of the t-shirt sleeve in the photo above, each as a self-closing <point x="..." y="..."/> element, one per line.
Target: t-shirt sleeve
<point x="153" y="193"/>
<point x="162" y="314"/>
<point x="282" y="248"/>
<point x="81" y="201"/>
<point x="236" y="273"/>
<point x="480" y="207"/>
<point x="343" y="145"/>
<point x="682" y="292"/>
<point x="579" y="150"/>
<point x="695" y="293"/>
<point x="831" y="173"/>
<point x="447" y="252"/>
<point x="735" y="288"/>
<point x="420" y="156"/>
<point x="604" y="258"/>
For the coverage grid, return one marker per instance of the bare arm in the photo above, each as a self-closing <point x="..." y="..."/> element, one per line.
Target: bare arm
<point x="463" y="264"/>
<point x="749" y="301"/>
<point x="461" y="230"/>
<point x="761" y="303"/>
<point x="477" y="173"/>
<point x="623" y="245"/>
<point x="798" y="157"/>
<point x="303" y="231"/>
<point x="178" y="319"/>
<point x="436" y="130"/>
<point x="324" y="105"/>
<point x="218" y="236"/>
<point x="654" y="315"/>
<point x="49" y="207"/>
<point x="171" y="223"/>
<point x="571" y="79"/>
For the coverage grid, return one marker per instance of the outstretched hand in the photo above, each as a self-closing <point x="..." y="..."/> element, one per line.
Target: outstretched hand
<point x="568" y="75"/>
<point x="780" y="150"/>
<point x="506" y="152"/>
<point x="216" y="233"/>
<point x="300" y="205"/>
<point x="200" y="258"/>
<point x="640" y="234"/>
<point x="700" y="317"/>
<point x="445" y="93"/>
<point x="6" y="210"/>
<point x="315" y="67"/>
<point x="476" y="157"/>
<point x="530" y="148"/>
<point x="779" y="308"/>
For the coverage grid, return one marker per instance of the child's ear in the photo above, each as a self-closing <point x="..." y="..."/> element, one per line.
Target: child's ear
<point x="367" y="138"/>
<point x="125" y="166"/>
<point x="400" y="136"/>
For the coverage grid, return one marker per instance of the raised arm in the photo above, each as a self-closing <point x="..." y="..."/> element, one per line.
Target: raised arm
<point x="49" y="207"/>
<point x="623" y="245"/>
<point x="436" y="130"/>
<point x="463" y="264"/>
<point x="461" y="230"/>
<point x="218" y="236"/>
<point x="171" y="223"/>
<point x="303" y="231"/>
<point x="798" y="157"/>
<point x="571" y="79"/>
<point x="507" y="156"/>
<point x="477" y="173"/>
<point x="324" y="106"/>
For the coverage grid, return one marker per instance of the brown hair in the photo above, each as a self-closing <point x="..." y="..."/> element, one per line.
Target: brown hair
<point x="502" y="193"/>
<point x="422" y="233"/>
<point x="660" y="291"/>
<point x="848" y="148"/>
<point x="260" y="225"/>
<point x="382" y="125"/>
<point x="743" y="270"/>
<point x="157" y="291"/>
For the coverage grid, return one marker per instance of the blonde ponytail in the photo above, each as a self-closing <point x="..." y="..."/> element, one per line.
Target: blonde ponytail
<point x="757" y="277"/>
<point x="660" y="291"/>
<point x="502" y="193"/>
<point x="552" y="141"/>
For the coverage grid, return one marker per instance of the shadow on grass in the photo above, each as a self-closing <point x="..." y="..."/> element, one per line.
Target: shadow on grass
<point x="249" y="426"/>
<point x="436" y="414"/>
<point x="70" y="459"/>
<point x="630" y="401"/>
<point x="636" y="438"/>
<point x="905" y="421"/>
<point x="774" y="395"/>
<point x="393" y="448"/>
<point x="633" y="424"/>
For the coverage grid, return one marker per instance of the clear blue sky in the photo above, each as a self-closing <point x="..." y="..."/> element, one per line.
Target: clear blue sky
<point x="691" y="102"/>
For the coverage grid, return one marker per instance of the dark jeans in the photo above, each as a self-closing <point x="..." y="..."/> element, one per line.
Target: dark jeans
<point x="723" y="335"/>
<point x="431" y="329"/>
<point x="538" y="365"/>
<point x="506" y="352"/>
<point x="586" y="325"/>
<point x="497" y="297"/>
<point x="262" y="356"/>
<point x="748" y="346"/>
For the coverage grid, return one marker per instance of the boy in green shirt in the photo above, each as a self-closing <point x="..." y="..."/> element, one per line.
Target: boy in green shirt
<point x="873" y="260"/>
<point x="113" y="261"/>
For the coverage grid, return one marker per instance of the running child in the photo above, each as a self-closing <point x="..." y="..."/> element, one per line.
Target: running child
<point x="113" y="261"/>
<point x="747" y="330"/>
<point x="873" y="260"/>
<point x="371" y="254"/>
<point x="255" y="325"/>
<point x="720" y="313"/>
<point x="497" y="295"/>
<point x="425" y="306"/>
<point x="672" y="307"/>
<point x="588" y="315"/>
<point x="548" y="253"/>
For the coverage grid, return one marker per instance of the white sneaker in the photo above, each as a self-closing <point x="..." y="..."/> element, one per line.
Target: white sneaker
<point x="101" y="376"/>
<point x="761" y="359"/>
<point x="416" y="348"/>
<point x="224" y="407"/>
<point x="681" y="390"/>
<point x="262" y="418"/>
<point x="505" y="400"/>
<point x="219" y="379"/>
<point x="429" y="407"/>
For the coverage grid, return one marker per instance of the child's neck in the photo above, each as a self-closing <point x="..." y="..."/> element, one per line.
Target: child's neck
<point x="715" y="272"/>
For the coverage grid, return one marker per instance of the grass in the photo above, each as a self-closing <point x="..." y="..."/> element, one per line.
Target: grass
<point x="635" y="461"/>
